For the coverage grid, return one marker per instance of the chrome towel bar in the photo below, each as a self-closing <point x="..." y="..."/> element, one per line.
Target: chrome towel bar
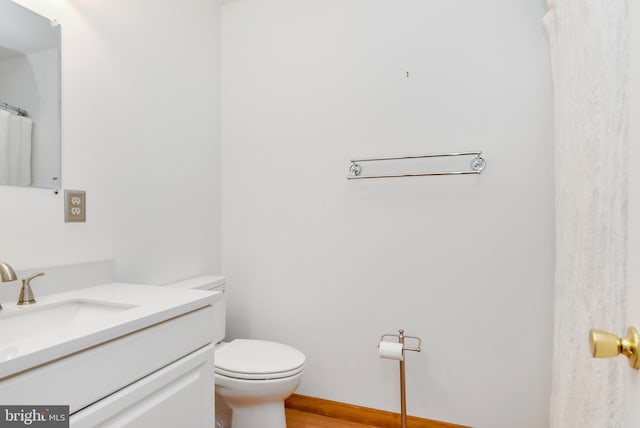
<point x="478" y="164"/>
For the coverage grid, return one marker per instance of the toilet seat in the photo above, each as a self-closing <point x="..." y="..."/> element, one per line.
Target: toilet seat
<point x="258" y="360"/>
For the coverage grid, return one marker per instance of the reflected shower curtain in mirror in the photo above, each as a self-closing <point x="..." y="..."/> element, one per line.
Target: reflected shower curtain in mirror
<point x="589" y="55"/>
<point x="15" y="149"/>
<point x="5" y="118"/>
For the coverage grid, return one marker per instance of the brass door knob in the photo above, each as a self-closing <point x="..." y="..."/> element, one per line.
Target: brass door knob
<point x="606" y="345"/>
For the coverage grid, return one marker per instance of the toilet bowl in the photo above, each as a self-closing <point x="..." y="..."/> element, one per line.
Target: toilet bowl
<point x="252" y="377"/>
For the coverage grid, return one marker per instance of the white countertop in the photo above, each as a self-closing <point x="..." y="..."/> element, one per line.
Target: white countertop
<point x="144" y="306"/>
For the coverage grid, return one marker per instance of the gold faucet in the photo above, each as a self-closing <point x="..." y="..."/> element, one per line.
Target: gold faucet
<point x="26" y="295"/>
<point x="7" y="274"/>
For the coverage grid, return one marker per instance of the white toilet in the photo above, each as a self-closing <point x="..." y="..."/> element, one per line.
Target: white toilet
<point x="252" y="377"/>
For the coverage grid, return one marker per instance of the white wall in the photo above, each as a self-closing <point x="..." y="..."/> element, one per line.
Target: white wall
<point x="140" y="135"/>
<point x="328" y="265"/>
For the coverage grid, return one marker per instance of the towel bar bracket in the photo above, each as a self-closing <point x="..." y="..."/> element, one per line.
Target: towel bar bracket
<point x="478" y="164"/>
<point x="355" y="169"/>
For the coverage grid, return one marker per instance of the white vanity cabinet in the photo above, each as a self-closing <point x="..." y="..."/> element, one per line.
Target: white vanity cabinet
<point x="179" y="395"/>
<point x="150" y="365"/>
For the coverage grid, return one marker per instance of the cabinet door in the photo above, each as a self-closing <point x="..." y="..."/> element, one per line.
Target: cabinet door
<point x="179" y="395"/>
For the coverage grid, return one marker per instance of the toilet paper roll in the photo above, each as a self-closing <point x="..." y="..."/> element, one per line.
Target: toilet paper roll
<point x="390" y="350"/>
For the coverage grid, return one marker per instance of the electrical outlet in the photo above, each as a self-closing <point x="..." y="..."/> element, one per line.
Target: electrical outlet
<point x="75" y="206"/>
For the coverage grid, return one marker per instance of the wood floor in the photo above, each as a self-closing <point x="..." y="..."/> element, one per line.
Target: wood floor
<point x="299" y="419"/>
<point x="310" y="412"/>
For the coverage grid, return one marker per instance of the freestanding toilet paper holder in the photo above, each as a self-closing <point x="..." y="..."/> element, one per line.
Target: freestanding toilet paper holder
<point x="403" y="393"/>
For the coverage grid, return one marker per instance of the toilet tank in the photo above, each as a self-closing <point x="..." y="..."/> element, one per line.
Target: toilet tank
<point x="208" y="282"/>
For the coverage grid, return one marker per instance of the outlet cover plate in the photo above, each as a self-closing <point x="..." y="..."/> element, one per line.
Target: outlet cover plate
<point x="75" y="207"/>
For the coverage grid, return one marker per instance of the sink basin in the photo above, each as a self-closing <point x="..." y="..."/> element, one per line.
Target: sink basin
<point x="32" y="321"/>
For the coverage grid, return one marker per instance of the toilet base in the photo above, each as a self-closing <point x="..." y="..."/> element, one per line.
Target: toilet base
<point x="266" y="415"/>
<point x="256" y="403"/>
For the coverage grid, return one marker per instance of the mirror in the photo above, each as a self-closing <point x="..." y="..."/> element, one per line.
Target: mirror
<point x="29" y="98"/>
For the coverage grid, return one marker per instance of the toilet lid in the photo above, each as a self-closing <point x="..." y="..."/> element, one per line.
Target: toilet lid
<point x="258" y="359"/>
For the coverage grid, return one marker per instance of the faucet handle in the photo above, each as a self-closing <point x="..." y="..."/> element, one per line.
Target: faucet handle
<point x="26" y="295"/>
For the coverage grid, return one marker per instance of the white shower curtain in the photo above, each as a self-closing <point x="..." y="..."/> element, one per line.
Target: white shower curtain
<point x="589" y="55"/>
